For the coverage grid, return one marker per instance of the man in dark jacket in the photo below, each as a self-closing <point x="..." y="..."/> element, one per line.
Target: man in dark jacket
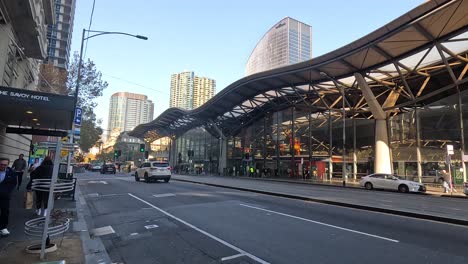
<point x="7" y="184"/>
<point x="19" y="166"/>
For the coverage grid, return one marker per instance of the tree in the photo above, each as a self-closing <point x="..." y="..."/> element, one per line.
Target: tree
<point x="52" y="79"/>
<point x="91" y="87"/>
<point x="90" y="134"/>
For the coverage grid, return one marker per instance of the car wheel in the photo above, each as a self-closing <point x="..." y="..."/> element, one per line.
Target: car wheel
<point x="403" y="188"/>
<point x="166" y="180"/>
<point x="114" y="172"/>
<point x="440" y="181"/>
<point x="368" y="186"/>
<point x="136" y="177"/>
<point x="147" y="178"/>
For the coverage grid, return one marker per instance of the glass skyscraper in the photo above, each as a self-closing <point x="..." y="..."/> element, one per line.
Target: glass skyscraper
<point x="287" y="42"/>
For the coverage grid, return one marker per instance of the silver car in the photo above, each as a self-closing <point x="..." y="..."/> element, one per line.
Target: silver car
<point x="390" y="182"/>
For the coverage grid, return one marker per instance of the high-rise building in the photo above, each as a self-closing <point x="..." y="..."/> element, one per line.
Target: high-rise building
<point x="287" y="42"/>
<point x="59" y="34"/>
<point x="189" y="91"/>
<point x="182" y="89"/>
<point x="203" y="90"/>
<point x="128" y="110"/>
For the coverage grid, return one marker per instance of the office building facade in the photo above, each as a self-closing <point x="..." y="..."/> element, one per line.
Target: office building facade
<point x="127" y="110"/>
<point x="287" y="42"/>
<point x="189" y="91"/>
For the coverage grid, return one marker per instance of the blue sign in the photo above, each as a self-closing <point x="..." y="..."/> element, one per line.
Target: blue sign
<point x="78" y="113"/>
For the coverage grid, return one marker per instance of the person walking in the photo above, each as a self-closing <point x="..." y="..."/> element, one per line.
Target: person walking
<point x="44" y="171"/>
<point x="19" y="165"/>
<point x="7" y="184"/>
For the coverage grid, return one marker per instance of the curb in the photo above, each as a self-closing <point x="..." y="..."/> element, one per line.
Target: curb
<point x="93" y="248"/>
<point x="341" y="204"/>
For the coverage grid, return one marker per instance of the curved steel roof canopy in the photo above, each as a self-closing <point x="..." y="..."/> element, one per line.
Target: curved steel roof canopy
<point x="415" y="59"/>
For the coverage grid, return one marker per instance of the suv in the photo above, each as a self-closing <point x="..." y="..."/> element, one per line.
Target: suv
<point x="108" y="168"/>
<point x="153" y="171"/>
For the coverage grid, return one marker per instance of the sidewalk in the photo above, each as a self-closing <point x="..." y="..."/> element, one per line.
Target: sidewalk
<point x="432" y="189"/>
<point x="422" y="206"/>
<point x="12" y="248"/>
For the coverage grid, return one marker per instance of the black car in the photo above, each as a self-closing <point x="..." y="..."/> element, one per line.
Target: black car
<point x="108" y="168"/>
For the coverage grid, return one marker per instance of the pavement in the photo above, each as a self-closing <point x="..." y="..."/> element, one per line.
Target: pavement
<point x="12" y="248"/>
<point x="182" y="222"/>
<point x="446" y="209"/>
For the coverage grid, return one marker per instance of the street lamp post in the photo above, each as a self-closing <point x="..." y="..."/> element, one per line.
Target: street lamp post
<point x="78" y="77"/>
<point x="83" y="38"/>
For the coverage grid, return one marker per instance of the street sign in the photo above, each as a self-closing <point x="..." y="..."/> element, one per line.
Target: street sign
<point x="76" y="131"/>
<point x="450" y="150"/>
<point x="78" y="113"/>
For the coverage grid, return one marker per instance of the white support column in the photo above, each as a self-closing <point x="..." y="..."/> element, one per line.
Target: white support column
<point x="354" y="151"/>
<point x="418" y="145"/>
<point x="382" y="162"/>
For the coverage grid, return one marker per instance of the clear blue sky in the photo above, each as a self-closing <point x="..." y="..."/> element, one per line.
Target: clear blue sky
<point x="211" y="37"/>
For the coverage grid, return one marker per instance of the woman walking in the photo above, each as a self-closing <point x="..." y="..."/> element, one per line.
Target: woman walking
<point x="44" y="171"/>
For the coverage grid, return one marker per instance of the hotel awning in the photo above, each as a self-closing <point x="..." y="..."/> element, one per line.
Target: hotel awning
<point x="36" y="113"/>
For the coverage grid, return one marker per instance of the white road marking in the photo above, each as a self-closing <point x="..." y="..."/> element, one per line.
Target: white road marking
<point x="147" y="208"/>
<point x="134" y="234"/>
<point x="232" y="257"/>
<point x="324" y="224"/>
<point x="111" y="194"/>
<point x="103" y="182"/>
<point x="101" y="231"/>
<point x="203" y="232"/>
<point x="163" y="195"/>
<point x="151" y="226"/>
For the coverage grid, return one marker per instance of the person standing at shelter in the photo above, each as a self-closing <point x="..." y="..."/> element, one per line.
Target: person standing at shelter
<point x="7" y="184"/>
<point x="19" y="165"/>
<point x="34" y="165"/>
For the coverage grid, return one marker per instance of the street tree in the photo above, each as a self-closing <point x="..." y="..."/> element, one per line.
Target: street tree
<point x="91" y="87"/>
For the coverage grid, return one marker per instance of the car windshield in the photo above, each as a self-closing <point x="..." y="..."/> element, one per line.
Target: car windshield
<point x="160" y="165"/>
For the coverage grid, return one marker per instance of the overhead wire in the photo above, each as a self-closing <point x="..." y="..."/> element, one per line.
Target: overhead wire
<point x="134" y="83"/>
<point x="89" y="28"/>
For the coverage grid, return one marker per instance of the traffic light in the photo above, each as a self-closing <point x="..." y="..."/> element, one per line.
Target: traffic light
<point x="142" y="147"/>
<point x="116" y="153"/>
<point x="146" y="154"/>
<point x="119" y="153"/>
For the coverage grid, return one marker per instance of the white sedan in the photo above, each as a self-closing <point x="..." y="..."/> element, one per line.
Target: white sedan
<point x="390" y="182"/>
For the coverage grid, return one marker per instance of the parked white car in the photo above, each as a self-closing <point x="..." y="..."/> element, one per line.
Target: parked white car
<point x="390" y="182"/>
<point x="153" y="171"/>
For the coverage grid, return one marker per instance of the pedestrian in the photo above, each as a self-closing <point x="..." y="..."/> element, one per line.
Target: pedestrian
<point x="447" y="181"/>
<point x="252" y="171"/>
<point x="7" y="184"/>
<point x="44" y="171"/>
<point x="34" y="165"/>
<point x="19" y="165"/>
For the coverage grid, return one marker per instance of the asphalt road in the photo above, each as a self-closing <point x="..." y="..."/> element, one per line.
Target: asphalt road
<point x="181" y="222"/>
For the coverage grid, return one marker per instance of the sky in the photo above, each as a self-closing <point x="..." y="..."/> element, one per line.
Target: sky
<point x="214" y="38"/>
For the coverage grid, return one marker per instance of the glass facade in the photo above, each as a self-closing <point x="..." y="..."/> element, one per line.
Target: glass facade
<point x="298" y="143"/>
<point x="288" y="42"/>
<point x="197" y="152"/>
